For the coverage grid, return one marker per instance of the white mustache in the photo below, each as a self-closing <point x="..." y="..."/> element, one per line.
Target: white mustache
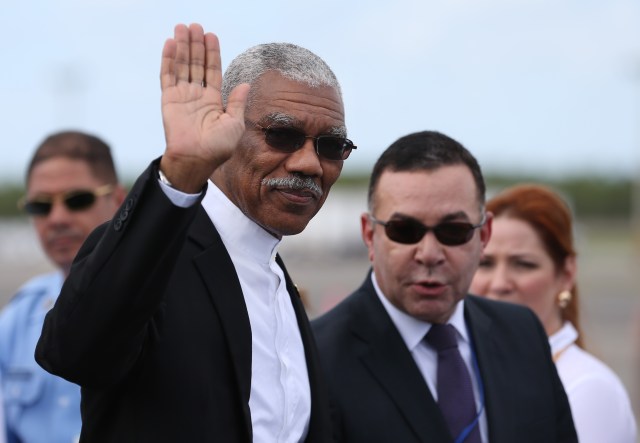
<point x="294" y="183"/>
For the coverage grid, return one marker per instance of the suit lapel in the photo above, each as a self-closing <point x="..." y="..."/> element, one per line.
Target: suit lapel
<point x="495" y="376"/>
<point x="221" y="280"/>
<point x="390" y="362"/>
<point x="320" y="419"/>
<point x="219" y="276"/>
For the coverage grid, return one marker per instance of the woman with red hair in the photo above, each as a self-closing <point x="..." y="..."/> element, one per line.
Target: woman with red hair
<point x="530" y="259"/>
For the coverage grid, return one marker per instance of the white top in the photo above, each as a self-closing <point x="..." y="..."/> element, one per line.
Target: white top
<point x="280" y="400"/>
<point x="599" y="402"/>
<point x="413" y="332"/>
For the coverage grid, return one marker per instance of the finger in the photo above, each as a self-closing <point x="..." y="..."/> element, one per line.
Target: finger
<point x="197" y="53"/>
<point x="167" y="74"/>
<point x="237" y="101"/>
<point x="181" y="59"/>
<point x="213" y="64"/>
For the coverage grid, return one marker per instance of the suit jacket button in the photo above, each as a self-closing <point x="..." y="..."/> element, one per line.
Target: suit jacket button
<point x="117" y="224"/>
<point x="128" y="205"/>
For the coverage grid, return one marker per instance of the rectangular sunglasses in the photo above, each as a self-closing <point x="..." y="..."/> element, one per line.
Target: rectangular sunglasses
<point x="75" y="200"/>
<point x="287" y="139"/>
<point x="409" y="231"/>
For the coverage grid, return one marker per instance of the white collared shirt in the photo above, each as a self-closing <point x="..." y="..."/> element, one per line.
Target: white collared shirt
<point x="413" y="332"/>
<point x="600" y="404"/>
<point x="280" y="400"/>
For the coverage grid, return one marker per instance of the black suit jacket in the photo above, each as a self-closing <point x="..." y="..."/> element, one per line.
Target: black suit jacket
<point x="153" y="326"/>
<point x="379" y="394"/>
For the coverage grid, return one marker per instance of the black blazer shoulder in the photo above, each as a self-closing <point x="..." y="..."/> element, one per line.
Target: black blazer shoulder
<point x="376" y="387"/>
<point x="377" y="392"/>
<point x="152" y="324"/>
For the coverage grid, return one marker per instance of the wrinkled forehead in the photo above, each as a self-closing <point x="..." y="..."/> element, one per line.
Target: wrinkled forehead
<point x="270" y="83"/>
<point x="294" y="103"/>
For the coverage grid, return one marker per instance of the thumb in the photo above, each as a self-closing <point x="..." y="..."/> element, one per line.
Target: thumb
<point x="237" y="101"/>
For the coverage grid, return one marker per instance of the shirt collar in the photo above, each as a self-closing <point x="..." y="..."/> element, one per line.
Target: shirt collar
<point x="412" y="329"/>
<point x="566" y="336"/>
<point x="238" y="232"/>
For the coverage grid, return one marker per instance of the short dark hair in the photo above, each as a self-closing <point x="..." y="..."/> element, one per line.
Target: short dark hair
<point x="77" y="145"/>
<point x="426" y="150"/>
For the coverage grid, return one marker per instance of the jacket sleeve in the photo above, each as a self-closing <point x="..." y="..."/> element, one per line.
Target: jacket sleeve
<point x="564" y="418"/>
<point x="105" y="312"/>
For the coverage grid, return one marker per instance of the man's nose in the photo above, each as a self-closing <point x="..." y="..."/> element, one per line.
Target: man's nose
<point x="59" y="211"/>
<point x="429" y="251"/>
<point x="305" y="160"/>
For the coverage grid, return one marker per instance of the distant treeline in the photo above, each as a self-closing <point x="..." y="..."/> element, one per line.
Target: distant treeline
<point x="590" y="197"/>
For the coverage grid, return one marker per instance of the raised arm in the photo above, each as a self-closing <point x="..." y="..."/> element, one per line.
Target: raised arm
<point x="115" y="293"/>
<point x="200" y="133"/>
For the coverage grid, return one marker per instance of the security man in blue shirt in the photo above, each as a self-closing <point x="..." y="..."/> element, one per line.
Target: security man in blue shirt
<point x="72" y="187"/>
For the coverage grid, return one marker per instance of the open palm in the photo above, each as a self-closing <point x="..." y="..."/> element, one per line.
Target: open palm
<point x="199" y="132"/>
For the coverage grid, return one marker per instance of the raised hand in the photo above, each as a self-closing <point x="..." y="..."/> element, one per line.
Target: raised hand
<point x="200" y="134"/>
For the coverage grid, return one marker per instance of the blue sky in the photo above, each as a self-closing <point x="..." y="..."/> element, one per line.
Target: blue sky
<point x="537" y="87"/>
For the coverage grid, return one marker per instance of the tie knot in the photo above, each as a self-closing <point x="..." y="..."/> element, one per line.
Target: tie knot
<point x="442" y="337"/>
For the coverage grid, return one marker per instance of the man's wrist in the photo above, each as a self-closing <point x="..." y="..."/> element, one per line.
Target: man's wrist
<point x="180" y="175"/>
<point x="177" y="197"/>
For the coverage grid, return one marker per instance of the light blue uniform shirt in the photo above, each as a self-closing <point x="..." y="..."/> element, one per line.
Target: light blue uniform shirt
<point x="39" y="407"/>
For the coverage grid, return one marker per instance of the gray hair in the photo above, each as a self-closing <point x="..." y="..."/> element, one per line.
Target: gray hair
<point x="291" y="61"/>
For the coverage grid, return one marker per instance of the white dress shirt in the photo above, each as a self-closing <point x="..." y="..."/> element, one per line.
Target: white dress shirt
<point x="600" y="404"/>
<point x="413" y="332"/>
<point x="280" y="400"/>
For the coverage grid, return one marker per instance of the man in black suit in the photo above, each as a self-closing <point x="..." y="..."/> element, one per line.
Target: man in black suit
<point x="425" y="231"/>
<point x="178" y="318"/>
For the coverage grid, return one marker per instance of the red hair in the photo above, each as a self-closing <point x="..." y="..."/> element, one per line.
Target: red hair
<point x="550" y="216"/>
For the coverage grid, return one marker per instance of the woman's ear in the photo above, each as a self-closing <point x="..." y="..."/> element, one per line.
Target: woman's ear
<point x="569" y="272"/>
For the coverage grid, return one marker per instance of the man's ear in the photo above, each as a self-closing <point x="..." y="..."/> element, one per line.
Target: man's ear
<point x="366" y="231"/>
<point x="119" y="194"/>
<point x="485" y="230"/>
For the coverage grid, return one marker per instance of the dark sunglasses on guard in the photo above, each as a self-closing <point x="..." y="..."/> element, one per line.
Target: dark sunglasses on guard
<point x="75" y="200"/>
<point x="286" y="139"/>
<point x="409" y="231"/>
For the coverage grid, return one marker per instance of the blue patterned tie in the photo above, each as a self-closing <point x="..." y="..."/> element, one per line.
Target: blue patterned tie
<point x="455" y="392"/>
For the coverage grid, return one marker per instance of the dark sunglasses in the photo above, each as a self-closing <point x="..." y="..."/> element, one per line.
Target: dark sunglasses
<point x="286" y="139"/>
<point x="75" y="200"/>
<point x="409" y="231"/>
